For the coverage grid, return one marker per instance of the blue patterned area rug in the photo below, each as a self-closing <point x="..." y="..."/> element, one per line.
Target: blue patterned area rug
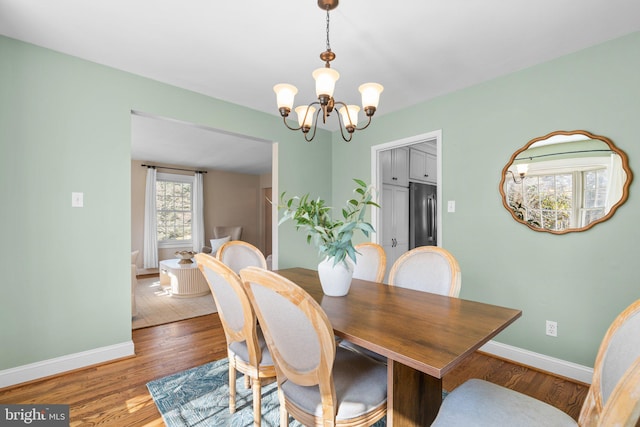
<point x="200" y="397"/>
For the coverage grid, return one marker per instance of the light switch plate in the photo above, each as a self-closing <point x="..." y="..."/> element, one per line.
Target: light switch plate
<point x="451" y="206"/>
<point x="77" y="200"/>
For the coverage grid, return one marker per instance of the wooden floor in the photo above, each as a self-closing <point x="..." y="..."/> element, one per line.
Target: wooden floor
<point x="115" y="394"/>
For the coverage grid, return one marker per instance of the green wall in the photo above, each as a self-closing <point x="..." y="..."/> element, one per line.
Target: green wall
<point x="65" y="127"/>
<point x="581" y="280"/>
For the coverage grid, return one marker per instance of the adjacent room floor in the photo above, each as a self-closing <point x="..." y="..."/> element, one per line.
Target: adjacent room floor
<point x="156" y="305"/>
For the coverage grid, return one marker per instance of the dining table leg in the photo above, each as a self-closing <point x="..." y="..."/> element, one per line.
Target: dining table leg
<point x="413" y="397"/>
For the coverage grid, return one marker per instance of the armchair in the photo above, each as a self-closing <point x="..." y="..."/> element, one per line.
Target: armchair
<point x="221" y="233"/>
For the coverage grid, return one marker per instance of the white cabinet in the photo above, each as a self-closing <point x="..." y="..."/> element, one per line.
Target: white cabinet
<point x="395" y="223"/>
<point x="395" y="166"/>
<point x="422" y="166"/>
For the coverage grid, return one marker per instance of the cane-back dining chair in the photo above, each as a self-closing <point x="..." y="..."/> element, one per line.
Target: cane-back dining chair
<point x="319" y="384"/>
<point x="613" y="398"/>
<point x="237" y="255"/>
<point x="371" y="262"/>
<point x="428" y="269"/>
<point x="246" y="348"/>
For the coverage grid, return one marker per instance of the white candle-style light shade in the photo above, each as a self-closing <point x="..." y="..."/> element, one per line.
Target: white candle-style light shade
<point x="350" y="119"/>
<point x="325" y="81"/>
<point x="308" y="121"/>
<point x="370" y="94"/>
<point x="522" y="169"/>
<point x="285" y="93"/>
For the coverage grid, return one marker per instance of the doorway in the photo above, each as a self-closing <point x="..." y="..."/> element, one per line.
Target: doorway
<point x="230" y="157"/>
<point x="398" y="193"/>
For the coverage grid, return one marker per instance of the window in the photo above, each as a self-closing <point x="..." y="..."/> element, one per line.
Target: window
<point x="174" y="202"/>
<point x="557" y="201"/>
<point x="595" y="195"/>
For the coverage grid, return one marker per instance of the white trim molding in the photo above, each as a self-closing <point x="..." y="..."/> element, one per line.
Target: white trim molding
<point x="46" y="368"/>
<point x="58" y="365"/>
<point x="376" y="175"/>
<point x="539" y="361"/>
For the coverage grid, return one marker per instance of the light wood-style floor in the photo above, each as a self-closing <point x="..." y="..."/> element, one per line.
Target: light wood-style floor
<point x="115" y="394"/>
<point x="156" y="306"/>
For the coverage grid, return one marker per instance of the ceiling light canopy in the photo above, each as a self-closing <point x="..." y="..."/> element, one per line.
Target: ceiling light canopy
<point x="326" y="78"/>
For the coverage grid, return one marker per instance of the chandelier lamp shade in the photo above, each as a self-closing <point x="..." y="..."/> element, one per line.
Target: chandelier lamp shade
<point x="325" y="78"/>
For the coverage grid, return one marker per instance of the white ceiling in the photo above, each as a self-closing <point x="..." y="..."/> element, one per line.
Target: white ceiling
<point x="162" y="140"/>
<point x="237" y="50"/>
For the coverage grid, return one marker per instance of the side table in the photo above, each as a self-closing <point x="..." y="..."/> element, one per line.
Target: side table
<point x="185" y="280"/>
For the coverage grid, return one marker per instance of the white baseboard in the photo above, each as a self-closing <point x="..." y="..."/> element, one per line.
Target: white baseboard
<point x="540" y="361"/>
<point x="46" y="368"/>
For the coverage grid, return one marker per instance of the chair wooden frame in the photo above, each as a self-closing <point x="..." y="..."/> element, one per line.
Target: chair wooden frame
<point x="228" y="248"/>
<point x="256" y="375"/>
<point x="382" y="258"/>
<point x="620" y="405"/>
<point x="626" y="411"/>
<point x="322" y="375"/>
<point x="233" y="244"/>
<point x="456" y="278"/>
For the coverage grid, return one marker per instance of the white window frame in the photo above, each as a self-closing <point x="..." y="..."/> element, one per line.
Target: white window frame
<point x="583" y="210"/>
<point x="173" y="177"/>
<point x="578" y="191"/>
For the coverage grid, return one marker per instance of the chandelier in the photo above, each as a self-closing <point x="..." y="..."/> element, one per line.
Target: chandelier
<point x="325" y="84"/>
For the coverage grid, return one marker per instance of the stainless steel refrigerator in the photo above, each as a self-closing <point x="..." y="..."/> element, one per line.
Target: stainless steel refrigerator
<point x="422" y="215"/>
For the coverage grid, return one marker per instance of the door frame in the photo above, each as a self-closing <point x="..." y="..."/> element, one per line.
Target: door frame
<point x="376" y="174"/>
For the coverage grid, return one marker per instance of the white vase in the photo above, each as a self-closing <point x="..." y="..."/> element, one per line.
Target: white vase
<point x="335" y="279"/>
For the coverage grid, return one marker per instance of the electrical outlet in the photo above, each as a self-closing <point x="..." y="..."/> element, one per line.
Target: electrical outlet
<point x="552" y="328"/>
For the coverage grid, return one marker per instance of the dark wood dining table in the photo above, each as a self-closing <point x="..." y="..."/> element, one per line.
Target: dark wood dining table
<point x="422" y="335"/>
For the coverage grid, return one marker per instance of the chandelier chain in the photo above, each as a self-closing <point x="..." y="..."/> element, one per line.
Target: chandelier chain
<point x="328" y="44"/>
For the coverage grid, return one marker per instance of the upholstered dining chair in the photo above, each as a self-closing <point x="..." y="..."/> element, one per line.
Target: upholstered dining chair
<point x="371" y="262"/>
<point x="319" y="384"/>
<point x="613" y="398"/>
<point x="428" y="269"/>
<point x="238" y="254"/>
<point x="246" y="347"/>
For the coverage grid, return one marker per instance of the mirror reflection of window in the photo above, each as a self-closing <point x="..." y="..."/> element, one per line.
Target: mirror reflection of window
<point x="565" y="181"/>
<point x="560" y="200"/>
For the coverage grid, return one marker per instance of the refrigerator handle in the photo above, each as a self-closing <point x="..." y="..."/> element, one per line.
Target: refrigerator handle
<point x="431" y="206"/>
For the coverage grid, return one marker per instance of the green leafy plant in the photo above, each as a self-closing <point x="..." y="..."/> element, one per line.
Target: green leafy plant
<point x="332" y="237"/>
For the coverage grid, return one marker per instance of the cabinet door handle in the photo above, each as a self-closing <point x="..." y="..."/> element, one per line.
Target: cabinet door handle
<point x="394" y="178"/>
<point x="426" y="174"/>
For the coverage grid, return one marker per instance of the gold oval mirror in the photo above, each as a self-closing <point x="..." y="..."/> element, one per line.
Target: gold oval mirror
<point x="565" y="181"/>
